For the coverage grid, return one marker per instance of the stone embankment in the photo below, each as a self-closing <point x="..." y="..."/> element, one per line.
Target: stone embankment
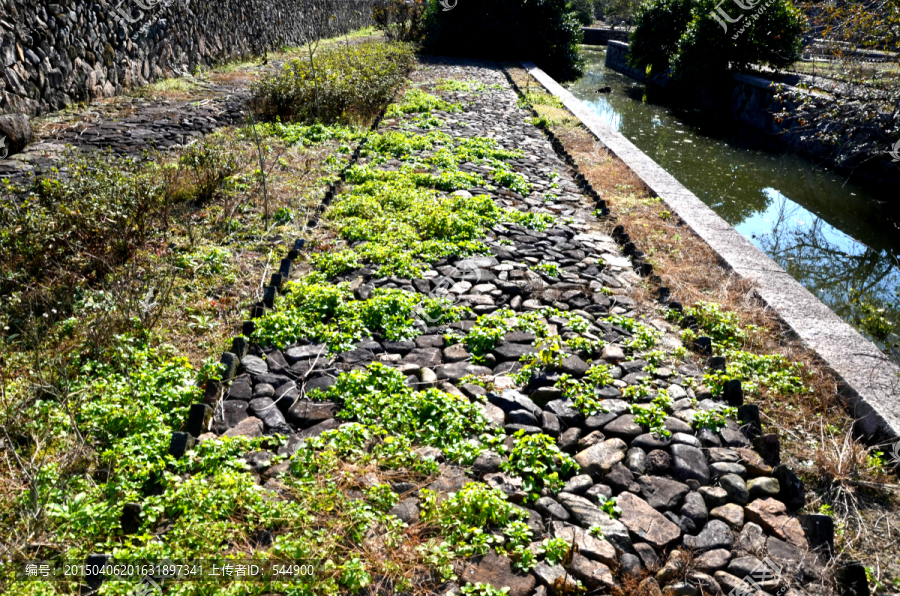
<point x="702" y="509"/>
<point x="56" y="52"/>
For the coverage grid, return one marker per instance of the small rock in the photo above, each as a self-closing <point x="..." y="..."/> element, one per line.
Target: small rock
<point x="713" y="496"/>
<point x="551" y="509"/>
<point x="752" y="540"/>
<point x="716" y="534"/>
<point x="406" y="510"/>
<point x="731" y="514"/>
<point x="658" y="462"/>
<point x="636" y="460"/>
<point x="497" y="571"/>
<point x="772" y="516"/>
<point x="600" y="458"/>
<point x="249" y="427"/>
<point x="612" y="354"/>
<point x="487" y="462"/>
<point x="713" y="560"/>
<point x="588" y="545"/>
<point x="694" y="508"/>
<point x="593" y="575"/>
<point x="689" y="463"/>
<point x="577" y="485"/>
<point x="630" y="565"/>
<point x="555" y="576"/>
<point x="762" y="488"/>
<point x="661" y="493"/>
<point x="647" y="523"/>
<point x="736" y="488"/>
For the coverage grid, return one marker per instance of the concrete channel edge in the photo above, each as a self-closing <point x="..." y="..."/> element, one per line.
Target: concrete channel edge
<point x="868" y="381"/>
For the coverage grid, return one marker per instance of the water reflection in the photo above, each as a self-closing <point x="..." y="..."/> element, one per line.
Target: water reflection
<point x="828" y="234"/>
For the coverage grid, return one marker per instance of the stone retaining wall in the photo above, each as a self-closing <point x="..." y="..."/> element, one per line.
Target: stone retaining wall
<point x="56" y="52"/>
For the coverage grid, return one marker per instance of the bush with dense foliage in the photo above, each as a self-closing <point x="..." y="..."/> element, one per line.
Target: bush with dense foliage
<point x="700" y="45"/>
<point x="347" y="84"/>
<point x="543" y="31"/>
<point x="400" y="20"/>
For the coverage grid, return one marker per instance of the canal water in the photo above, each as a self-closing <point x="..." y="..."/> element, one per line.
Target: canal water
<point x="840" y="241"/>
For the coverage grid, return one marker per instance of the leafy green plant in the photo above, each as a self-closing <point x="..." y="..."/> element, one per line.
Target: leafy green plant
<point x="465" y="516"/>
<point x="609" y="507"/>
<point x="713" y="419"/>
<point x="380" y="396"/>
<point x="551" y="269"/>
<point x="327" y="313"/>
<point x="556" y="550"/>
<point x="539" y="462"/>
<point x="480" y="589"/>
<point x="417" y="101"/>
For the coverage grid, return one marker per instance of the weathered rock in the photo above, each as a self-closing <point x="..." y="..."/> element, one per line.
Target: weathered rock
<point x="694" y="508"/>
<point x="763" y="487"/>
<point x="659" y="462"/>
<point x="621" y="479"/>
<point x="506" y="351"/>
<point x="648" y="555"/>
<point x="735" y="585"/>
<point x="551" y="509"/>
<point x="716" y="534"/>
<point x="772" y="516"/>
<point x="457" y="370"/>
<point x="645" y="522"/>
<point x="689" y="463"/>
<point x="590" y="546"/>
<point x="592" y="574"/>
<point x="511" y="486"/>
<point x="487" y="462"/>
<point x="254" y="365"/>
<point x="577" y="485"/>
<point x="736" y="488"/>
<point x="600" y="458"/>
<point x="713" y="560"/>
<point x="249" y="427"/>
<point x="456" y="353"/>
<point x="636" y="460"/>
<point x="17" y="130"/>
<point x="496" y="571"/>
<point x="266" y="410"/>
<point x="751" y="540"/>
<point x="623" y="427"/>
<point x="573" y="365"/>
<point x="406" y="510"/>
<point x="731" y="514"/>
<point x="713" y="496"/>
<point x="661" y="493"/>
<point x="587" y="514"/>
<point x="555" y="576"/>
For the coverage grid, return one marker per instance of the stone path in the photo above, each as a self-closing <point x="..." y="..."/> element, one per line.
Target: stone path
<point x="701" y="509"/>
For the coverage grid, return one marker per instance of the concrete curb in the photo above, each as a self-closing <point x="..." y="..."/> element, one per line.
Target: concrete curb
<point x="868" y="381"/>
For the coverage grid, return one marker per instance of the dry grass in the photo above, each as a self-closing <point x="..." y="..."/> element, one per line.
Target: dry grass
<point x="816" y="432"/>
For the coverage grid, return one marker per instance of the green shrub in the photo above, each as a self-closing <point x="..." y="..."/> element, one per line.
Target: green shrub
<point x="696" y="42"/>
<point x="347" y="84"/>
<point x="400" y="20"/>
<point x="544" y="31"/>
